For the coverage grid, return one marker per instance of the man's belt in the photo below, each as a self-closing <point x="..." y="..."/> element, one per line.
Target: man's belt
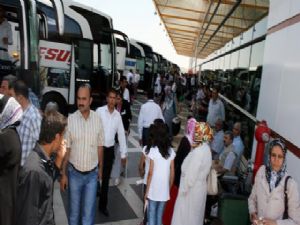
<point x="85" y="172"/>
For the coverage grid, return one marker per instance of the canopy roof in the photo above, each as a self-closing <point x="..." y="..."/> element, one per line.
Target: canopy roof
<point x="199" y="27"/>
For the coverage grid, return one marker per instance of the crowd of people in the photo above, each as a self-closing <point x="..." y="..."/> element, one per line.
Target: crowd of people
<point x="39" y="147"/>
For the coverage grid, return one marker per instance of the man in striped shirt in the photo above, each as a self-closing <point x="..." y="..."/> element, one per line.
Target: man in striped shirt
<point x="29" y="129"/>
<point x="82" y="165"/>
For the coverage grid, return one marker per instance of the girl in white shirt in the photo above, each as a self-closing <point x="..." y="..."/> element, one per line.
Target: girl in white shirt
<point x="160" y="175"/>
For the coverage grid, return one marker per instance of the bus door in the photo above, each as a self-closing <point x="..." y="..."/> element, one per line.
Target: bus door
<point x="83" y="62"/>
<point x="101" y="77"/>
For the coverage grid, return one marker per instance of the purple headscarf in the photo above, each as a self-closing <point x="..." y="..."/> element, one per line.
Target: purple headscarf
<point x="190" y="130"/>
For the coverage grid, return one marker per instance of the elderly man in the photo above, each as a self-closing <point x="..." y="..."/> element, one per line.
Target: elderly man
<point x="7" y="89"/>
<point x="29" y="128"/>
<point x="217" y="144"/>
<point x="7" y="85"/>
<point x="228" y="157"/>
<point x="237" y="142"/>
<point x="215" y="108"/>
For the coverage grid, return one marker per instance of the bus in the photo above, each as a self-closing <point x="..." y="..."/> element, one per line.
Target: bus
<point x="85" y="53"/>
<point x="128" y="60"/>
<point x="27" y="24"/>
<point x="92" y="59"/>
<point x="147" y="74"/>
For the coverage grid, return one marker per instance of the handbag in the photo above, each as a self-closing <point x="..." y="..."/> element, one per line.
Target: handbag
<point x="176" y="123"/>
<point x="286" y="210"/>
<point x="212" y="182"/>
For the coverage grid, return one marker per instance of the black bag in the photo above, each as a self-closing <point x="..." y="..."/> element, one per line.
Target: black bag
<point x="176" y="123"/>
<point x="286" y="209"/>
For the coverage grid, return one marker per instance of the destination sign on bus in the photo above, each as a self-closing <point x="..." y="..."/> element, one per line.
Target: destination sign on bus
<point x="55" y="54"/>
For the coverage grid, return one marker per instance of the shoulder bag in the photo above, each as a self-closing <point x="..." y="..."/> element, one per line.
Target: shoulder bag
<point x="286" y="209"/>
<point x="212" y="182"/>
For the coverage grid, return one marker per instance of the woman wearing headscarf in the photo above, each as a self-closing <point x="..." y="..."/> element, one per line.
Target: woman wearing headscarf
<point x="10" y="156"/>
<point x="169" y="108"/>
<point x="190" y="203"/>
<point x="266" y="202"/>
<point x="182" y="151"/>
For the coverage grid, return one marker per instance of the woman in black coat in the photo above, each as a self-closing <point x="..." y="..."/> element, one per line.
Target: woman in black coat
<point x="10" y="157"/>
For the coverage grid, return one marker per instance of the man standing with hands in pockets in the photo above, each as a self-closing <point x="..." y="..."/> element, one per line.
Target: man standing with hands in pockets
<point x="82" y="165"/>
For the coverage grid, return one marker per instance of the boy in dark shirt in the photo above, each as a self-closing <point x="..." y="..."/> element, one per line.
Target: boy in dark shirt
<point x="36" y="179"/>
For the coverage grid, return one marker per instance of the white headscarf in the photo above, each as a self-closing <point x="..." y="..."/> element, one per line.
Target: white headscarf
<point x="11" y="113"/>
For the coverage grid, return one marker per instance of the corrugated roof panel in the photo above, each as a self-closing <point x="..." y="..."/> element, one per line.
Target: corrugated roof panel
<point x="192" y="24"/>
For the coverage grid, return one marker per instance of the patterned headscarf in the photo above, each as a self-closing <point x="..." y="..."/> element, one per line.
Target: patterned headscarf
<point x="272" y="176"/>
<point x="10" y="111"/>
<point x="190" y="130"/>
<point x="203" y="133"/>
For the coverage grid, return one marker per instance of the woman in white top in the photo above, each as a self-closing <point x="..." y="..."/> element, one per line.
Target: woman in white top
<point x="160" y="176"/>
<point x="145" y="160"/>
<point x="191" y="199"/>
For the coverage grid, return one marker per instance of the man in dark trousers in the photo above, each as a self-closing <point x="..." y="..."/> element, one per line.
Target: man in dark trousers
<point x="10" y="157"/>
<point x="112" y="125"/>
<point x="36" y="179"/>
<point x="148" y="113"/>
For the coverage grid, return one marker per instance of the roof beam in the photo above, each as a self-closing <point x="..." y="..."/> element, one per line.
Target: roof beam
<point x="199" y="21"/>
<point x="184" y="39"/>
<point x="185" y="35"/>
<point x="201" y="12"/>
<point x="183" y="45"/>
<point x="181" y="30"/>
<point x="182" y="25"/>
<point x="245" y="5"/>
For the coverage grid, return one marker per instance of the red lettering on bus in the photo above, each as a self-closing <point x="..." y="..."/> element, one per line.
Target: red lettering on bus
<point x="63" y="55"/>
<point x="51" y="53"/>
<point x="55" y="54"/>
<point x="43" y="50"/>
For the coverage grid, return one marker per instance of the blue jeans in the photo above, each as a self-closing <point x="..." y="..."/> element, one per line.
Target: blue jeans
<point x="82" y="196"/>
<point x="155" y="212"/>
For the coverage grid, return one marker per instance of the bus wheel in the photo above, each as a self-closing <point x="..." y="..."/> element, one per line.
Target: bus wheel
<point x="56" y="99"/>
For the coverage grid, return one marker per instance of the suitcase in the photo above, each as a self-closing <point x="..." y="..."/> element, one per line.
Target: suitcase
<point x="233" y="209"/>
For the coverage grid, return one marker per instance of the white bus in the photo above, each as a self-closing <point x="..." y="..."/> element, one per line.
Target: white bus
<point x="93" y="58"/>
<point x="27" y="23"/>
<point x="85" y="53"/>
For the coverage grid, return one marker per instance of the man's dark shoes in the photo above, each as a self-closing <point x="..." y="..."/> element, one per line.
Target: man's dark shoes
<point x="104" y="212"/>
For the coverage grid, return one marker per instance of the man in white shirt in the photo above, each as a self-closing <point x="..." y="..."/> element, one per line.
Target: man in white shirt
<point x="112" y="126"/>
<point x="217" y="143"/>
<point x="5" y="34"/>
<point x="124" y="89"/>
<point x="237" y="142"/>
<point x="148" y="113"/>
<point x="137" y="78"/>
<point x="130" y="77"/>
<point x="193" y="82"/>
<point x="83" y="161"/>
<point x="215" y="109"/>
